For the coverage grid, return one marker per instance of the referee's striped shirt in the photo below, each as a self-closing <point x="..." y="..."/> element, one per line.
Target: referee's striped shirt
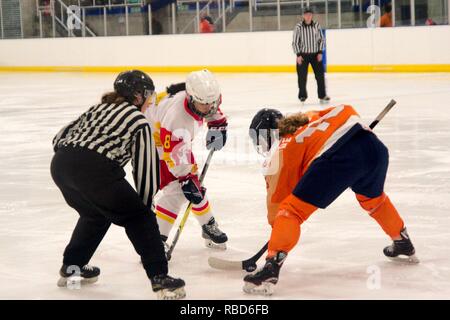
<point x="308" y="38"/>
<point x="120" y="132"/>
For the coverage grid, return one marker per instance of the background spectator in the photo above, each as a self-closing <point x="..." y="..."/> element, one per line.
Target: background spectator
<point x="430" y="22"/>
<point x="386" y="18"/>
<point x="206" y="23"/>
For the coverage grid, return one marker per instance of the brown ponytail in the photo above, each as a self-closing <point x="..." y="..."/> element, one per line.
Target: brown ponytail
<point x="112" y="97"/>
<point x="291" y="123"/>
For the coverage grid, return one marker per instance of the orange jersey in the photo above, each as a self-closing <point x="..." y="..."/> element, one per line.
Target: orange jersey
<point x="386" y="20"/>
<point x="206" y="26"/>
<point x="290" y="159"/>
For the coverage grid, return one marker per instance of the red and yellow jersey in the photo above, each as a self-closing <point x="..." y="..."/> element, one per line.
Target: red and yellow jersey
<point x="291" y="157"/>
<point x="174" y="126"/>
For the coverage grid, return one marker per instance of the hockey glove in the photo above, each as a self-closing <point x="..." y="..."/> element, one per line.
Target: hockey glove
<point x="173" y="89"/>
<point x="192" y="189"/>
<point x="216" y="136"/>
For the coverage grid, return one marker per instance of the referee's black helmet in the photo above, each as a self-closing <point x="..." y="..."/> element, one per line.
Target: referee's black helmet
<point x="131" y="83"/>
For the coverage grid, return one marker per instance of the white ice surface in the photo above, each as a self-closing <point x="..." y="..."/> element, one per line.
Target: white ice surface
<point x="338" y="246"/>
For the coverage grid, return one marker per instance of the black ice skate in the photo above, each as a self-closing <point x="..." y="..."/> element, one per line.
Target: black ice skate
<point x="264" y="281"/>
<point x="214" y="237"/>
<point x="324" y="100"/>
<point x="168" y="288"/>
<point x="402" y="250"/>
<point x="73" y="276"/>
<point x="302" y="101"/>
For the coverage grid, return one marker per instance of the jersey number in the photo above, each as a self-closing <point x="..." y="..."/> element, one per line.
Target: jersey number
<point x="167" y="142"/>
<point x="319" y="124"/>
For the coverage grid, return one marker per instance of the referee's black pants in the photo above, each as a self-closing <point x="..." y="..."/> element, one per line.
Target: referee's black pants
<point x="302" y="75"/>
<point x="96" y="187"/>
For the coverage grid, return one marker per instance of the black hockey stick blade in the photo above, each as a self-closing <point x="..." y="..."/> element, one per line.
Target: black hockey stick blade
<point x="248" y="265"/>
<point x="382" y="113"/>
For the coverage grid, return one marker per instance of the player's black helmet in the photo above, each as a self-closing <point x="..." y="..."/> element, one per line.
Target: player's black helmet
<point x="131" y="83"/>
<point x="263" y="128"/>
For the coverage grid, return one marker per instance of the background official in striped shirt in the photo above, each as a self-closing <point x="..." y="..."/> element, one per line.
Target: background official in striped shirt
<point x="308" y="44"/>
<point x="90" y="154"/>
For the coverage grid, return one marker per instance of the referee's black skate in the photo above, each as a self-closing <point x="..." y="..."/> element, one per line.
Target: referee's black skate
<point x="324" y="100"/>
<point x="168" y="288"/>
<point x="73" y="276"/>
<point x="402" y="250"/>
<point x="302" y="101"/>
<point x="214" y="237"/>
<point x="263" y="281"/>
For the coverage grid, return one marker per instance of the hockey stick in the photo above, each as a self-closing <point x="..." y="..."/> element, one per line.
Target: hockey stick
<point x="249" y="265"/>
<point x="188" y="209"/>
<point x="382" y="113"/>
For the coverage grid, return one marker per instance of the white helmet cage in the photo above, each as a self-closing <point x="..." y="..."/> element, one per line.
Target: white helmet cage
<point x="202" y="87"/>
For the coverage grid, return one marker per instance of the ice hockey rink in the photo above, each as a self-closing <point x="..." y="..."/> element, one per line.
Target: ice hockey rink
<point x="339" y="255"/>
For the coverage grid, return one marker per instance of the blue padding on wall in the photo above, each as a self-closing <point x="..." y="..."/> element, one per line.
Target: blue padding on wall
<point x="156" y="5"/>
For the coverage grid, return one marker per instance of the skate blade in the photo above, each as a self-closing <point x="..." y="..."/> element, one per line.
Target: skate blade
<point x="168" y="294"/>
<point x="405" y="259"/>
<point x="74" y="282"/>
<point x="264" y="289"/>
<point x="217" y="246"/>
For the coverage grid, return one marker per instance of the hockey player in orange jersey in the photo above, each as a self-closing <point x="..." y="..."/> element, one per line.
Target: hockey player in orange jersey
<point x="317" y="157"/>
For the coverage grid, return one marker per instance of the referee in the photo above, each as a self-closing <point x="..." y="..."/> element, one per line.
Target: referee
<point x="308" y="44"/>
<point x="87" y="167"/>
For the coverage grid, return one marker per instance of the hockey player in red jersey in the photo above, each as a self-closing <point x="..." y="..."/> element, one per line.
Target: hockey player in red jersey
<point x="175" y="121"/>
<point x="317" y="157"/>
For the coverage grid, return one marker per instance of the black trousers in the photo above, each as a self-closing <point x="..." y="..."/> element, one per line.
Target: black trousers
<point x="96" y="188"/>
<point x="302" y="74"/>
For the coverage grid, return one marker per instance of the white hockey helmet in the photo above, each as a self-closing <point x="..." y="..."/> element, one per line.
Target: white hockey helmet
<point x="202" y="87"/>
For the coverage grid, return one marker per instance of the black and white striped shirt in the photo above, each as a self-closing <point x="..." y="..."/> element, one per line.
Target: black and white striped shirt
<point x="120" y="132"/>
<point x="308" y="38"/>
